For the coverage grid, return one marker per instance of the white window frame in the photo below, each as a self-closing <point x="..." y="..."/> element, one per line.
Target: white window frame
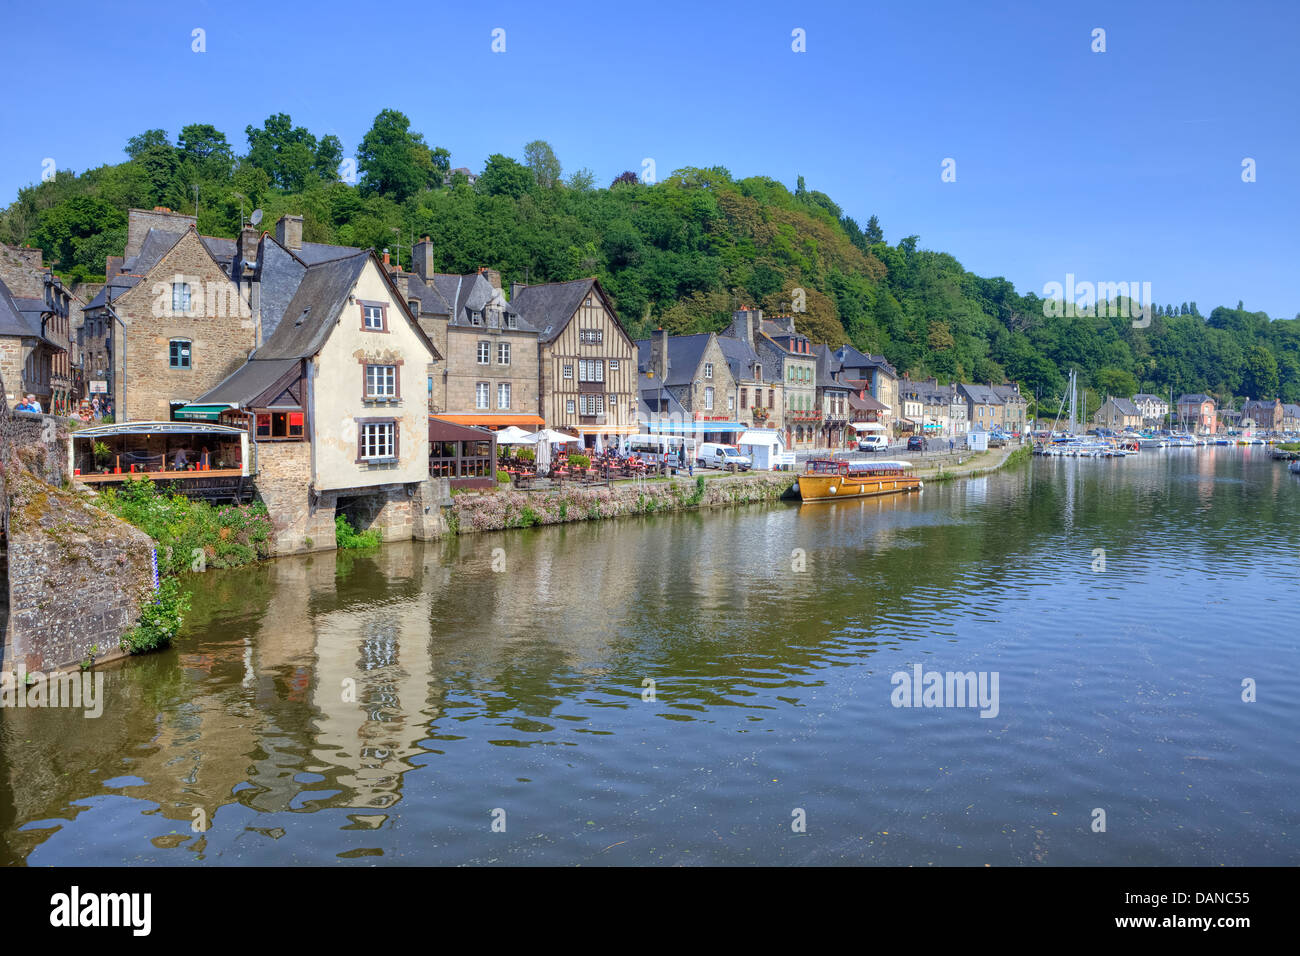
<point x="181" y="297"/>
<point x="375" y="312"/>
<point x="381" y="381"/>
<point x="482" y="395"/>
<point x="484" y="353"/>
<point x="378" y="441"/>
<point x="503" y="353"/>
<point x="503" y="395"/>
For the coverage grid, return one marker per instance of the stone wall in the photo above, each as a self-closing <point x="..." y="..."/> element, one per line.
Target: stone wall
<point x="218" y="329"/>
<point x="494" y="511"/>
<point x="61" y="546"/>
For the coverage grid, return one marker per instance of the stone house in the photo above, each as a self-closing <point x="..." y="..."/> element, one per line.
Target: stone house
<point x="958" y="423"/>
<point x="1291" y="418"/>
<point x="1153" y="409"/>
<point x="1118" y="414"/>
<point x="48" y="307"/>
<point x="927" y="407"/>
<point x="339" y="428"/>
<point x="882" y="379"/>
<point x="695" y="371"/>
<point x="1265" y="413"/>
<point x="587" y="378"/>
<point x="32" y="351"/>
<point x="490" y="373"/>
<point x="787" y="357"/>
<point x="760" y="400"/>
<point x="983" y="406"/>
<point x="1014" y="407"/>
<point x="832" y="400"/>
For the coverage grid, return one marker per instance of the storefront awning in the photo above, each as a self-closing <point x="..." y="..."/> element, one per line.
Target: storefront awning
<point x="202" y="413"/>
<point x="691" y="428"/>
<point x="867" y="426"/>
<point x="610" y="430"/>
<point x="491" y="421"/>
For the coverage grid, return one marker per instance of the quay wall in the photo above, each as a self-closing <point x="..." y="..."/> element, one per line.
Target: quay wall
<point x="498" y="510"/>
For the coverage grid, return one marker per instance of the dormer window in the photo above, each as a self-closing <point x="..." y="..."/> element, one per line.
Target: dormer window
<point x="475" y="317"/>
<point x="374" y="316"/>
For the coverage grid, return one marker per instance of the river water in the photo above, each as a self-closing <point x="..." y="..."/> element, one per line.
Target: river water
<point x="488" y="699"/>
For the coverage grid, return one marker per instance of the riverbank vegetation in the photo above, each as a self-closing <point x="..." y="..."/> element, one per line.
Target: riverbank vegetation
<point x="191" y="536"/>
<point x="677" y="253"/>
<point x="348" y="538"/>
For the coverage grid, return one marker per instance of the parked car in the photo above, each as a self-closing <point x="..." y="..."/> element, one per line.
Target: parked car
<point x="916" y="443"/>
<point x="713" y="455"/>
<point x="873" y="443"/>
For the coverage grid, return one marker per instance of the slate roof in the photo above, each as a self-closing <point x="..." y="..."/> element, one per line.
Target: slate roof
<point x="981" y="394"/>
<point x="1009" y="393"/>
<point x="1195" y="398"/>
<point x="867" y="404"/>
<point x="549" y="307"/>
<point x="13" y="321"/>
<point x="247" y="382"/>
<point x="741" y="357"/>
<point x="828" y="367"/>
<point x="1125" y="407"/>
<point x="851" y="358"/>
<point x="1148" y="397"/>
<point x="1291" y="411"/>
<point x="684" y="355"/>
<point x="311" y="312"/>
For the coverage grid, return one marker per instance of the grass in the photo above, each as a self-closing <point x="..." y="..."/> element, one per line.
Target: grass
<point x="348" y="538"/>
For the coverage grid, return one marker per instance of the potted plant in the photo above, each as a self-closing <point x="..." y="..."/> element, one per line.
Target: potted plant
<point x="101" y="454"/>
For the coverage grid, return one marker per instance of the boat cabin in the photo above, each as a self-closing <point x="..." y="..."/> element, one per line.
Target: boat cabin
<point x="839" y="466"/>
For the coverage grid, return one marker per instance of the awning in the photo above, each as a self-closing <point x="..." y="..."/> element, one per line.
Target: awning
<point x="442" y="430"/>
<point x="202" y="413"/>
<point x="691" y="428"/>
<point x="867" y="426"/>
<point x="491" y="421"/>
<point x="609" y="430"/>
<point x="760" y="437"/>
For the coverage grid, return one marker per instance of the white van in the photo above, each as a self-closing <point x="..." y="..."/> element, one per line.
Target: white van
<point x="713" y="455"/>
<point x="873" y="443"/>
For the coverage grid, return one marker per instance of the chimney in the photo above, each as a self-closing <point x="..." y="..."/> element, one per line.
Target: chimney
<point x="659" y="353"/>
<point x="740" y="325"/>
<point x="755" y="323"/>
<point x="249" y="237"/>
<point x="388" y="266"/>
<point x="493" y="277"/>
<point x="516" y="288"/>
<point x="288" y="232"/>
<point x="422" y="256"/>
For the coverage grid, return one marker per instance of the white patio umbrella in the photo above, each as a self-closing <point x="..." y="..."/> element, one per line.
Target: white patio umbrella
<point x="550" y="435"/>
<point x="512" y="435"/>
<point x="600" y="445"/>
<point x="542" y="459"/>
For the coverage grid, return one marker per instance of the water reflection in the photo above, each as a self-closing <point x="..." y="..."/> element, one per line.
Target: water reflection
<point x="363" y="706"/>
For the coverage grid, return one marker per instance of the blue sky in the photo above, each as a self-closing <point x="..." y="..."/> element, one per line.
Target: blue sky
<point x="1115" y="166"/>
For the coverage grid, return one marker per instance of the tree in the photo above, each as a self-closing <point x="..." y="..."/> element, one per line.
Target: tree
<point x="149" y="139"/>
<point x="1115" y="381"/>
<point x="394" y="161"/>
<point x="291" y="155"/>
<point x="540" y="158"/>
<point x="873" y="232"/>
<point x="68" y="232"/>
<point x="627" y="177"/>
<point x="204" y="147"/>
<point x="1260" y="378"/>
<point x="503" y="176"/>
<point x="582" y="180"/>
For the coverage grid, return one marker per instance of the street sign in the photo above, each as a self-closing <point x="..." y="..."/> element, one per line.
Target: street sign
<point x="98" y="386"/>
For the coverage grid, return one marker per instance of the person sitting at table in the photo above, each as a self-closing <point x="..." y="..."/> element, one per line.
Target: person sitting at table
<point x="180" y="460"/>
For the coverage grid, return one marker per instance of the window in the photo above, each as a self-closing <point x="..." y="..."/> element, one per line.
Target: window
<point x="372" y="317"/>
<point x="279" y="424"/>
<point x="503" y="395"/>
<point x="180" y="296"/>
<point x="414" y="306"/>
<point x="512" y="321"/>
<point x="592" y="404"/>
<point x="708" y="370"/>
<point x="377" y="440"/>
<point x="771" y="398"/>
<point x="568" y="373"/>
<point x="591" y="370"/>
<point x="591" y="336"/>
<point x="503" y="353"/>
<point x="381" y="381"/>
<point x="476" y="318"/>
<point x="744" y="398"/>
<point x="179" y="353"/>
<point x="568" y="406"/>
<point x="758" y="373"/>
<point x="481" y="394"/>
<point x="731" y="402"/>
<point x="484" y="353"/>
<point x="708" y="399"/>
<point x="613" y="365"/>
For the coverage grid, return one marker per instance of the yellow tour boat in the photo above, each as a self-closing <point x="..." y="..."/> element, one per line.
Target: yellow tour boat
<point x="829" y="479"/>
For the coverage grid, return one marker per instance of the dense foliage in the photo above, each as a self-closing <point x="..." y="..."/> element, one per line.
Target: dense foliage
<point x="191" y="535"/>
<point x="681" y="254"/>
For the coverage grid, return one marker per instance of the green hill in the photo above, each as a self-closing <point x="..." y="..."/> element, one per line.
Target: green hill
<point x="680" y="253"/>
